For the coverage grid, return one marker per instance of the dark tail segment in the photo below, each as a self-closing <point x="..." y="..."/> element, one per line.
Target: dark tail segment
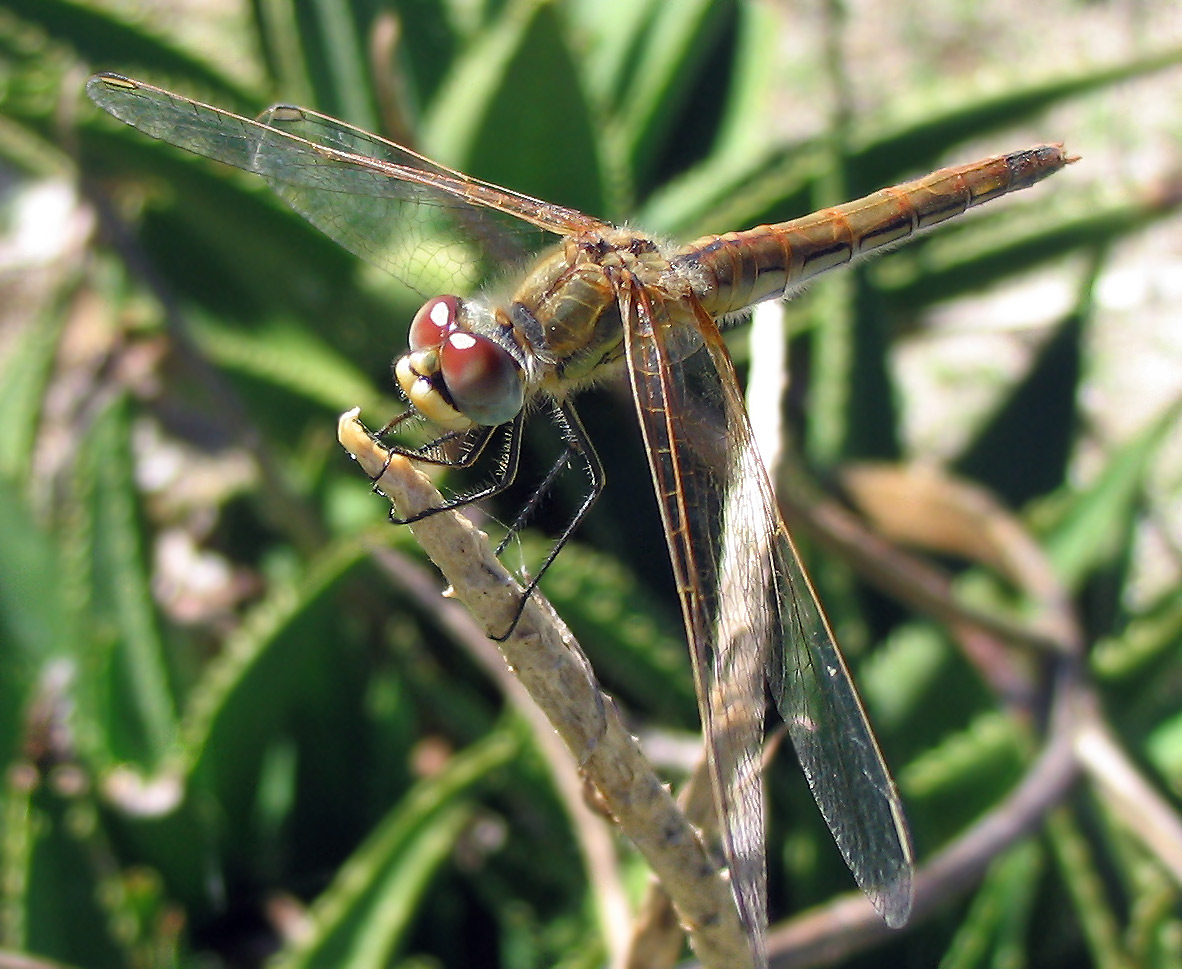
<point x="1035" y="164"/>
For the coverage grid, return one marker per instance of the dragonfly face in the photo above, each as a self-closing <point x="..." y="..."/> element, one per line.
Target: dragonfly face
<point x="474" y="363"/>
<point x="463" y="368"/>
<point x="601" y="298"/>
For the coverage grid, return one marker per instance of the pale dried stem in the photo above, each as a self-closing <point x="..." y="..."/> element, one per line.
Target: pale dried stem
<point x="594" y="834"/>
<point x="655" y="943"/>
<point x="547" y="661"/>
<point x="1144" y="812"/>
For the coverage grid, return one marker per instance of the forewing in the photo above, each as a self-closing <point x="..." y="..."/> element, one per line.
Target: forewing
<point x="750" y="610"/>
<point x="713" y="508"/>
<point x="433" y="228"/>
<point x="808" y="677"/>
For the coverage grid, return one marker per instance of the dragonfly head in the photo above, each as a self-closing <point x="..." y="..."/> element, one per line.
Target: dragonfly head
<point x="455" y="374"/>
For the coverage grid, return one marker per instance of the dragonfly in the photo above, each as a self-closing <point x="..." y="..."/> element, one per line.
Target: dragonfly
<point x="592" y="300"/>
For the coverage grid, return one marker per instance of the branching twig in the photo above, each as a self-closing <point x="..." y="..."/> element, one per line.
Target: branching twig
<point x="849" y="924"/>
<point x="1079" y="740"/>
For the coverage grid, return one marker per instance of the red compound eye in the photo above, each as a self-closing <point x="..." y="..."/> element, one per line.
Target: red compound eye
<point x="433" y="321"/>
<point x="482" y="378"/>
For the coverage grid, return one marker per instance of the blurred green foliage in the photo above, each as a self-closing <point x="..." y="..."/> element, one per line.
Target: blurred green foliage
<point x="227" y="736"/>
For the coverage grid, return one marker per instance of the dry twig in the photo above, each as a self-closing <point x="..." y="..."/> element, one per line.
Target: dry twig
<point x="545" y="658"/>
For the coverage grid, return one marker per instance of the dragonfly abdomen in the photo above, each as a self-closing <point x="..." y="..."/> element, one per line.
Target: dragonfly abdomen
<point x="739" y="269"/>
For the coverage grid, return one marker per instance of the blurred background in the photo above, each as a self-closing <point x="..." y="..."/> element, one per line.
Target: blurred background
<point x="237" y="722"/>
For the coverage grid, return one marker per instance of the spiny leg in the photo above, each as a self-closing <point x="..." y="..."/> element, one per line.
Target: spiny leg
<point x="475" y="445"/>
<point x="577" y="443"/>
<point x="474" y="449"/>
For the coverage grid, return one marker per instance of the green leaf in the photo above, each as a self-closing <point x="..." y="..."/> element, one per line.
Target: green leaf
<point x="1081" y="875"/>
<point x="955" y="781"/>
<point x="1023" y="450"/>
<point x="253" y="684"/>
<point x="36" y="622"/>
<point x="140" y="714"/>
<point x="1098" y="521"/>
<point x="886" y="156"/>
<point x="731" y="191"/>
<point x="665" y="75"/>
<point x="110" y="42"/>
<point x="280" y="43"/>
<point x="62" y="885"/>
<point x="896" y="678"/>
<point x="1148" y="642"/>
<point x="362" y="918"/>
<point x="999" y="921"/>
<point x="1163" y="747"/>
<point x="291" y="358"/>
<point x="22" y="387"/>
<point x="331" y="38"/>
<point x="513" y="104"/>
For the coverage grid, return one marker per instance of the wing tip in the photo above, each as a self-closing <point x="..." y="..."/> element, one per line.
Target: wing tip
<point x="893" y="901"/>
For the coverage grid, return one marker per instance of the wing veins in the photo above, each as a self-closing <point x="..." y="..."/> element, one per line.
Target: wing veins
<point x="730" y="693"/>
<point x="837" y="749"/>
<point x="162" y="114"/>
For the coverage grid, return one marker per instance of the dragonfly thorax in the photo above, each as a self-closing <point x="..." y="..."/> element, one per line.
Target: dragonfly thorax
<point x="567" y="312"/>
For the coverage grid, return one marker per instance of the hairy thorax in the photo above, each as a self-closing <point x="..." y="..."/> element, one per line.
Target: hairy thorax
<point x="568" y="308"/>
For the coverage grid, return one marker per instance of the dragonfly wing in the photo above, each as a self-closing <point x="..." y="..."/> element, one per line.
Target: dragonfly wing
<point x="433" y="228"/>
<point x="418" y="220"/>
<point x="707" y="490"/>
<point x="752" y="618"/>
<point x="432" y="242"/>
<point x="838" y="753"/>
<point x="196" y="127"/>
<point x="320" y="129"/>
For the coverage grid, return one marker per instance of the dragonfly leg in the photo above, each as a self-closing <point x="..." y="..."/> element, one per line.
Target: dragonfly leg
<point x="577" y="443"/>
<point x="454" y="449"/>
<point x="474" y="444"/>
<point x="539" y="494"/>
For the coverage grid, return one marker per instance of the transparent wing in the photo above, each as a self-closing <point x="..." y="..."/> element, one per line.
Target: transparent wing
<point x="752" y="618"/>
<point x="435" y="229"/>
<point x="840" y="757"/>
<point x="683" y="421"/>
